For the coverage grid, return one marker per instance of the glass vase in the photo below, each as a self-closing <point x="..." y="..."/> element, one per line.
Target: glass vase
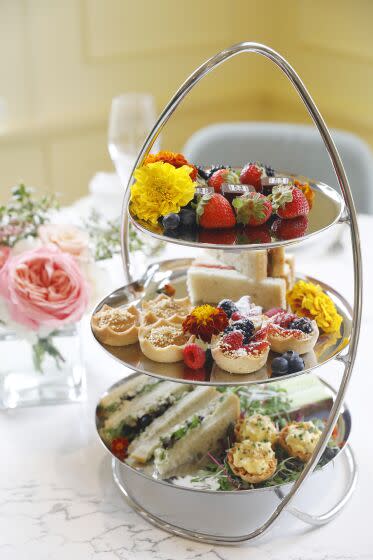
<point x="48" y="371"/>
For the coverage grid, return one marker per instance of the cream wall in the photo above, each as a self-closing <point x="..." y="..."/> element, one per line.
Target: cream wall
<point x="61" y="62"/>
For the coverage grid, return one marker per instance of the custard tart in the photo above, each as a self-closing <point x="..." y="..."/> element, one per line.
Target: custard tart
<point x="164" y="340"/>
<point x="116" y="326"/>
<point x="252" y="461"/>
<point x="164" y="307"/>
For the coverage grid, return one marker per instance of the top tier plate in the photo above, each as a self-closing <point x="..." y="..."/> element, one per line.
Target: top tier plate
<point x="326" y="211"/>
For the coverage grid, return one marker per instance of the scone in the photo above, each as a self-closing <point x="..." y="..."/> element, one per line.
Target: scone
<point x="253" y="461"/>
<point x="164" y="307"/>
<point x="256" y="428"/>
<point x="290" y="332"/>
<point x="235" y="357"/>
<point x="116" y="326"/>
<point x="164" y="340"/>
<point x="299" y="439"/>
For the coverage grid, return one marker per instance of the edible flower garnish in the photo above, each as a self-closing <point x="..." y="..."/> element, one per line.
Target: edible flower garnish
<point x="160" y="189"/>
<point x="307" y="191"/>
<point x="205" y="321"/>
<point x="308" y="300"/>
<point x="119" y="447"/>
<point x="173" y="158"/>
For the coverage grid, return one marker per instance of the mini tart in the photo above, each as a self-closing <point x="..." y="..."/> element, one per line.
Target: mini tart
<point x="253" y="461"/>
<point x="282" y="339"/>
<point x="164" y="340"/>
<point x="256" y="428"/>
<point x="116" y="326"/>
<point x="164" y="307"/>
<point x="241" y="361"/>
<point x="299" y="439"/>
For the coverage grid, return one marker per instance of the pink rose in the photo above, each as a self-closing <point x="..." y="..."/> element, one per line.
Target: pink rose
<point x="4" y="255"/>
<point x="69" y="239"/>
<point x="43" y="288"/>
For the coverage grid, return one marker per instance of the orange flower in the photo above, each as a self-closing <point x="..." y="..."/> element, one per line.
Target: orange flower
<point x="175" y="159"/>
<point x="307" y="191"/>
<point x="119" y="447"/>
<point x="204" y="321"/>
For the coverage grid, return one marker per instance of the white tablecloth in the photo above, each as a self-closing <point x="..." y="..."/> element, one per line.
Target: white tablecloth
<point x="58" y="500"/>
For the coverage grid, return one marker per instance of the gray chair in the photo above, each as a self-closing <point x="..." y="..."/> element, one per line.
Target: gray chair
<point x="290" y="147"/>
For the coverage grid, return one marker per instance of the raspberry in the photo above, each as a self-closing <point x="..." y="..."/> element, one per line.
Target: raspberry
<point x="236" y="316"/>
<point x="194" y="356"/>
<point x="233" y="340"/>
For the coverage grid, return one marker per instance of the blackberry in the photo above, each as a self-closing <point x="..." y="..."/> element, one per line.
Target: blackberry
<point x="302" y="324"/>
<point x="269" y="170"/>
<point x="228" y="306"/>
<point x="246" y="327"/>
<point x="202" y="173"/>
<point x="215" y="168"/>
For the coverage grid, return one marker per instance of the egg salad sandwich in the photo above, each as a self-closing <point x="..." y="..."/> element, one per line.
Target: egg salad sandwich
<point x="134" y="415"/>
<point x="205" y="431"/>
<point x="142" y="448"/>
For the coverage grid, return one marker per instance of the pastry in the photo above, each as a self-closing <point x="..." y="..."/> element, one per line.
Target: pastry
<point x="164" y="307"/>
<point x="233" y="354"/>
<point x="257" y="427"/>
<point x="189" y="442"/>
<point x="253" y="461"/>
<point x="299" y="439"/>
<point x="116" y="326"/>
<point x="164" y="340"/>
<point x="290" y="332"/>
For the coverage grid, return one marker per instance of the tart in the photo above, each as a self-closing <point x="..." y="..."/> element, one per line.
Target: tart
<point x="164" y="307"/>
<point x="299" y="439"/>
<point x="257" y="427"/>
<point x="290" y="332"/>
<point x="240" y="358"/>
<point x="253" y="461"/>
<point x="164" y="340"/>
<point x="116" y="326"/>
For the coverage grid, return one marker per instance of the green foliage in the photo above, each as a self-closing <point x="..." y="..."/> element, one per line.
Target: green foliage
<point x="42" y="348"/>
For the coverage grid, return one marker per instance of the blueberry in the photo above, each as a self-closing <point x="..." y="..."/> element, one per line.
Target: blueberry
<point x="279" y="366"/>
<point x="296" y="363"/>
<point x="187" y="217"/>
<point x="175" y="233"/>
<point x="228" y="306"/>
<point x="171" y="221"/>
<point x="302" y="324"/>
<point x="289" y="355"/>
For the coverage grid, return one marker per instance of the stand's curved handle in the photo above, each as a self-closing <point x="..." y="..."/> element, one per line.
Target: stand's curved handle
<point x="289" y="71"/>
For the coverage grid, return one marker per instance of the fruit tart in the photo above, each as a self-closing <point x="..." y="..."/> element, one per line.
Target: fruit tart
<point x="299" y="439"/>
<point x="116" y="326"/>
<point x="164" y="307"/>
<point x="257" y="427"/>
<point x="287" y="331"/>
<point x="241" y="351"/>
<point x="253" y="461"/>
<point x="164" y="340"/>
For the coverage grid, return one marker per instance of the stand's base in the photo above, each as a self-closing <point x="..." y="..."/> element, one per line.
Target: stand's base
<point x="178" y="521"/>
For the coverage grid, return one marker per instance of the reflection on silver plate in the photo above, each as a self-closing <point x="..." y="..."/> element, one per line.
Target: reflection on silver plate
<point x="174" y="271"/>
<point x="326" y="211"/>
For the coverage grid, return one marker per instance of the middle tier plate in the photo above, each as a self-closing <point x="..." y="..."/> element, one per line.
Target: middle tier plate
<point x="174" y="271"/>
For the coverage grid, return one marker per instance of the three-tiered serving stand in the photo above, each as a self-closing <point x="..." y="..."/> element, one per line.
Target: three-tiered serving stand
<point x="329" y="209"/>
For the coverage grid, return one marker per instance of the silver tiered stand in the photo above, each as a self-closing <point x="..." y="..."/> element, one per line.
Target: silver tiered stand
<point x="346" y="357"/>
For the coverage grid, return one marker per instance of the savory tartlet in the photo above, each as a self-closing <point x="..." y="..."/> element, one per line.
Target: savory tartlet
<point x="253" y="461"/>
<point x="299" y="439"/>
<point x="164" y="340"/>
<point x="246" y="359"/>
<point x="283" y="334"/>
<point x="257" y="427"/>
<point x="164" y="307"/>
<point x="116" y="326"/>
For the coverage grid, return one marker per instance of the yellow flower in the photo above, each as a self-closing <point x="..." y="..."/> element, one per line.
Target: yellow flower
<point x="308" y="300"/>
<point x="159" y="189"/>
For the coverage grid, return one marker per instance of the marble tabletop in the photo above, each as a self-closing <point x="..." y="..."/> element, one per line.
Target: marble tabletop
<point x="58" y="500"/>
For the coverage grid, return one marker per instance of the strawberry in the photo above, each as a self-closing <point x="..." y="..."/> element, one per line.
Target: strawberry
<point x="251" y="174"/>
<point x="260" y="335"/>
<point x="274" y="311"/>
<point x="218" y="237"/>
<point x="290" y="229"/>
<point x="214" y="212"/>
<point x="252" y="209"/>
<point x="259" y="234"/>
<point x="233" y="340"/>
<point x="223" y="176"/>
<point x="289" y="202"/>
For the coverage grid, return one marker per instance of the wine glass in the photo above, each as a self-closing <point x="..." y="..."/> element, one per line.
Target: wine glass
<point x="132" y="116"/>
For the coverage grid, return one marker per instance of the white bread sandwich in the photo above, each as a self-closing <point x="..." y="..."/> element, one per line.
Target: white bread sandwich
<point x="126" y="391"/>
<point x="133" y="416"/>
<point x="142" y="448"/>
<point x="252" y="264"/>
<point x="188" y="443"/>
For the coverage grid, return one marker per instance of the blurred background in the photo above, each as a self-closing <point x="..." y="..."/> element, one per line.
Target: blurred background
<point x="61" y="63"/>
